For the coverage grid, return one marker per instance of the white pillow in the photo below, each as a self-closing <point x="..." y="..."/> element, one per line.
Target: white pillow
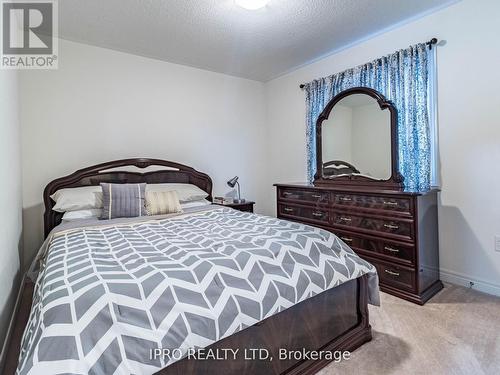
<point x="90" y="197"/>
<point x="80" y="198"/>
<point x="199" y="203"/>
<point x="94" y="213"/>
<point x="186" y="192"/>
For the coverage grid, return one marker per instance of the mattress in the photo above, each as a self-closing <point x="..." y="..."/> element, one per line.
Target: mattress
<point x="110" y="294"/>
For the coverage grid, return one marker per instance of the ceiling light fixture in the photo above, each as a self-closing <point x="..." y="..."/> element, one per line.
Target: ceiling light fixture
<point x="252" y="4"/>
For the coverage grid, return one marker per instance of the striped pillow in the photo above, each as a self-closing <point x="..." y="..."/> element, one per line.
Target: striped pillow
<point x="162" y="202"/>
<point x="123" y="200"/>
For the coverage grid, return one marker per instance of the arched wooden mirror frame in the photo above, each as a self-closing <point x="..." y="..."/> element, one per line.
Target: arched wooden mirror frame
<point x="395" y="181"/>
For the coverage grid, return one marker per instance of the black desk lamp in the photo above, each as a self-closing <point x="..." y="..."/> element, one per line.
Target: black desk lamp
<point x="231" y="183"/>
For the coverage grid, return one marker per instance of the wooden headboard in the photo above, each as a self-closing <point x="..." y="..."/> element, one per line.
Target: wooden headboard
<point x="94" y="175"/>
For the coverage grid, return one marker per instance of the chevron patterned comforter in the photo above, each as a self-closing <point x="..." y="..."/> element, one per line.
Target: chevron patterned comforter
<point x="107" y="295"/>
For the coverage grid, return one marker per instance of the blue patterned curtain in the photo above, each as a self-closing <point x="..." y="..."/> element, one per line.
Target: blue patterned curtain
<point x="403" y="78"/>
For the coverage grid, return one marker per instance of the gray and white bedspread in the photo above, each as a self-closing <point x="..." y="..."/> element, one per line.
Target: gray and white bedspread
<point x="106" y="296"/>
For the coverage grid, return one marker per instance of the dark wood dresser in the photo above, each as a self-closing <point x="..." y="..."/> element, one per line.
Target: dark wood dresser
<point x="395" y="231"/>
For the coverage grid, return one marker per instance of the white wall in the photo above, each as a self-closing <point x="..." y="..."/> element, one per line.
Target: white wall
<point x="469" y="130"/>
<point x="10" y="196"/>
<point x="371" y="140"/>
<point x="336" y="133"/>
<point x="103" y="105"/>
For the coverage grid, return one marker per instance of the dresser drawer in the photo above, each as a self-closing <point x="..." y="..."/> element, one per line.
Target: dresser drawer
<point x="304" y="213"/>
<point x="373" y="202"/>
<point x="394" y="275"/>
<point x="402" y="229"/>
<point x="391" y="251"/>
<point x="304" y="195"/>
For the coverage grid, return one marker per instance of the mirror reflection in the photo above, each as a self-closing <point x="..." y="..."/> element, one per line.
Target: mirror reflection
<point x="356" y="139"/>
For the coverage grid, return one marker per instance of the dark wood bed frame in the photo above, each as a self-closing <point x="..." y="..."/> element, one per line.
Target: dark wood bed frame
<point x="94" y="175"/>
<point x="335" y="320"/>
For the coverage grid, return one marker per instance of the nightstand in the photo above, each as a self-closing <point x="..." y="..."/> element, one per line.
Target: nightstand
<point x="246" y="206"/>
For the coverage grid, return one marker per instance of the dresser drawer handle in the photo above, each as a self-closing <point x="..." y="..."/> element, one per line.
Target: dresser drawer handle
<point x="316" y="196"/>
<point x="391" y="226"/>
<point x="288" y="209"/>
<point x="345" y="239"/>
<point x="317" y="214"/>
<point x="347" y="219"/>
<point x="345" y="199"/>
<point x="287" y="193"/>
<point x="392" y="273"/>
<point x="388" y="248"/>
<point x="393" y="204"/>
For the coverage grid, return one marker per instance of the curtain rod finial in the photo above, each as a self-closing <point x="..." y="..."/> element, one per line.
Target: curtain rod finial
<point x="431" y="42"/>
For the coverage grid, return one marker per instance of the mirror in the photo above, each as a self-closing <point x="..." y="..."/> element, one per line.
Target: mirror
<point x="356" y="139"/>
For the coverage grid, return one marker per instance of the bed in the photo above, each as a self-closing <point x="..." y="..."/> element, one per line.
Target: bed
<point x="209" y="291"/>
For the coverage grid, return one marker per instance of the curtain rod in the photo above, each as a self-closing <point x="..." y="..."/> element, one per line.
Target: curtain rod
<point x="429" y="43"/>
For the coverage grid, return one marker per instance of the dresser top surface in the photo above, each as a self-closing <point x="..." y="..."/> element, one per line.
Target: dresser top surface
<point x="349" y="189"/>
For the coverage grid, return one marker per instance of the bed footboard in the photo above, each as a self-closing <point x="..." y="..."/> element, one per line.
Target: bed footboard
<point x="335" y="320"/>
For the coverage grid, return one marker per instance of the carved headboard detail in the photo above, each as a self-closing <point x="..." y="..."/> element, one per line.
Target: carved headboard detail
<point x="94" y="175"/>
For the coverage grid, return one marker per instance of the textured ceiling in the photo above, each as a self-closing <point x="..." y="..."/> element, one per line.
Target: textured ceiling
<point x="217" y="35"/>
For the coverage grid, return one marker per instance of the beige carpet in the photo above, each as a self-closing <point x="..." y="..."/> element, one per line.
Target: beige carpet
<point x="456" y="332"/>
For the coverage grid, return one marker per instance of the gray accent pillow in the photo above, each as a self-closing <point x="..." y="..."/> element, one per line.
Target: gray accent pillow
<point x="123" y="200"/>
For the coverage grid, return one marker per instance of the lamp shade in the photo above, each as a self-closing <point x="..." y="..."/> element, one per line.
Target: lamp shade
<point x="232" y="182"/>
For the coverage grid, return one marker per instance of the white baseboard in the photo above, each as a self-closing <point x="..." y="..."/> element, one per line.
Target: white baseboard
<point x="459" y="279"/>
<point x="12" y="322"/>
